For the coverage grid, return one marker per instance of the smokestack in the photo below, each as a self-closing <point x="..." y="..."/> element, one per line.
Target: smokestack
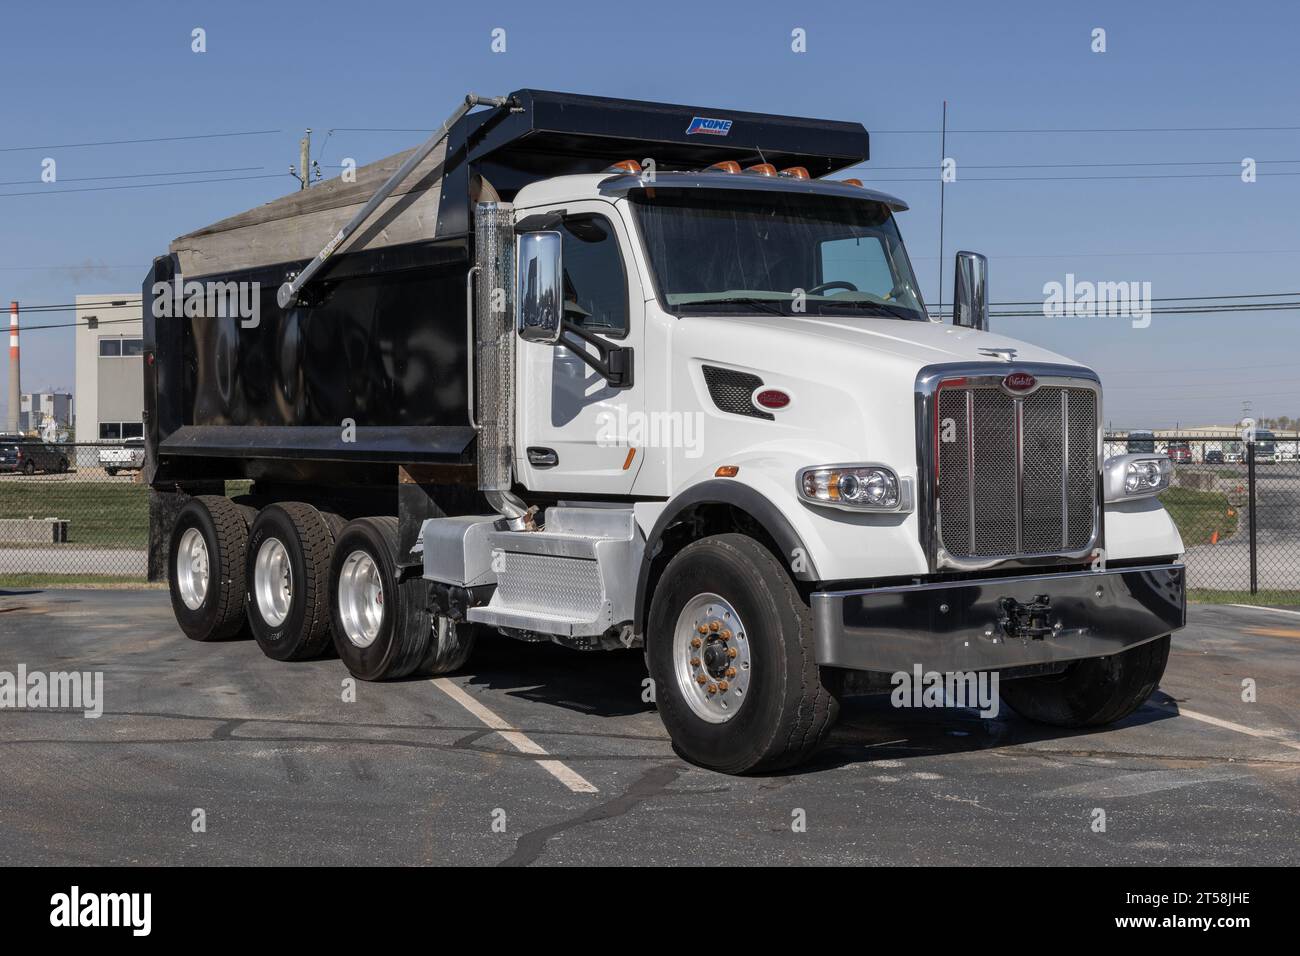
<point x="15" y="385"/>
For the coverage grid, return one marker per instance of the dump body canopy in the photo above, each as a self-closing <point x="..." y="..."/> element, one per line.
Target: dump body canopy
<point x="542" y="134"/>
<point x="295" y="227"/>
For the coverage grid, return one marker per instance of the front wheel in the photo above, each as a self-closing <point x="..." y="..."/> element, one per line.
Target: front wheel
<point x="1092" y="692"/>
<point x="730" y="651"/>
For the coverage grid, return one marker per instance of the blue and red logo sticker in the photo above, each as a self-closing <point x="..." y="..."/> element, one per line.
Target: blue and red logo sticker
<point x="707" y="125"/>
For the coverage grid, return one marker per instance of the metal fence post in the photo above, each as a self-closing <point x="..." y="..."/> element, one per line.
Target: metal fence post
<point x="1250" y="490"/>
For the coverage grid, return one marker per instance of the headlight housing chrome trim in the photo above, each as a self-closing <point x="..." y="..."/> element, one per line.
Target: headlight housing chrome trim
<point x="826" y="486"/>
<point x="1126" y="477"/>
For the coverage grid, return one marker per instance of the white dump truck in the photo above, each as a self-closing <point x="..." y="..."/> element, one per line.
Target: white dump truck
<point x="617" y="375"/>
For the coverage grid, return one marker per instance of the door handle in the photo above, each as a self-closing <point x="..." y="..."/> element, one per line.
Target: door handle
<point x="543" y="457"/>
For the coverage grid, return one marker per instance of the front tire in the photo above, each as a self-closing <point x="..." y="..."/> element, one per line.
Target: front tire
<point x="1092" y="692"/>
<point x="730" y="651"/>
<point x="205" y="567"/>
<point x="287" y="575"/>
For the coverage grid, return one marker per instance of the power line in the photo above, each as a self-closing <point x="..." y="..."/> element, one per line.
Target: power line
<point x="1175" y="298"/>
<point x="128" y="142"/>
<point x="179" y="182"/>
<point x="73" y="325"/>
<point x="1113" y="129"/>
<point x="1222" y="162"/>
<point x="1058" y="179"/>
<point x="179" y="172"/>
<point x="87" y="266"/>
<point x="1126" y="255"/>
<point x="1183" y="371"/>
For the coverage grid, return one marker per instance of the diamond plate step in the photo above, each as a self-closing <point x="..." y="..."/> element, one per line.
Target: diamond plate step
<point x="576" y="578"/>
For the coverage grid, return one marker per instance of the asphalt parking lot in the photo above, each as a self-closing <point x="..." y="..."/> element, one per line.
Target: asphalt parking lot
<point x="536" y="754"/>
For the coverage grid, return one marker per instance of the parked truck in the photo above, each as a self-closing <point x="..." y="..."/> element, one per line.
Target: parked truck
<point x="617" y="374"/>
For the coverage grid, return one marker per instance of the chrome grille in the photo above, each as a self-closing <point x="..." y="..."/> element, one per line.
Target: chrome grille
<point x="1016" y="475"/>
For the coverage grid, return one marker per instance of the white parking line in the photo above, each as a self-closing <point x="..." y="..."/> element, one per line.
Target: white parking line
<point x="1259" y="607"/>
<point x="1273" y="736"/>
<point x="516" y="738"/>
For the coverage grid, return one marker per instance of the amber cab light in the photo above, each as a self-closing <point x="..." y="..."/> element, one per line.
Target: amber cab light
<point x="726" y="166"/>
<point x="762" y="169"/>
<point x="795" y="172"/>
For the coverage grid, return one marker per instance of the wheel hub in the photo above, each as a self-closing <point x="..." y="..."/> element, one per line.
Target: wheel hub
<point x="192" y="568"/>
<point x="361" y="599"/>
<point x="711" y="657"/>
<point x="273" y="582"/>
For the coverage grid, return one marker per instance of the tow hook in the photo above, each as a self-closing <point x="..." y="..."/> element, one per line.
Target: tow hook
<point x="1026" y="621"/>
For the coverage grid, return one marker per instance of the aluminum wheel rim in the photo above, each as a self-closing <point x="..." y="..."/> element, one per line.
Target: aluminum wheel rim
<point x="711" y="658"/>
<point x="273" y="582"/>
<point x="192" y="568"/>
<point x="361" y="599"/>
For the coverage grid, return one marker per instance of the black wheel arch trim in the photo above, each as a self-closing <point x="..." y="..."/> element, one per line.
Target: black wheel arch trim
<point x="721" y="491"/>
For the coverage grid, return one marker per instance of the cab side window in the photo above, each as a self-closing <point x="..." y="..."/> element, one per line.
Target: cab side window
<point x="595" y="286"/>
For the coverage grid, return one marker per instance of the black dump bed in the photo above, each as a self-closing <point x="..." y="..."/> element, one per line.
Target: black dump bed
<point x="378" y="342"/>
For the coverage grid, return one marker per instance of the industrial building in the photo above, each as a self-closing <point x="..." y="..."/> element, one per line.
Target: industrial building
<point x="109" y="367"/>
<point x="49" y="414"/>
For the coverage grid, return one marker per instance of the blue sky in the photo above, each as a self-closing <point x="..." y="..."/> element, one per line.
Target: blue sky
<point x="81" y="72"/>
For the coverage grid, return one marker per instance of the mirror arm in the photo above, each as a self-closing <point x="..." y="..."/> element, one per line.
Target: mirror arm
<point x="615" y="362"/>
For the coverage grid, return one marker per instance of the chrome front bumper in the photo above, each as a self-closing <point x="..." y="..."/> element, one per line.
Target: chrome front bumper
<point x="998" y="622"/>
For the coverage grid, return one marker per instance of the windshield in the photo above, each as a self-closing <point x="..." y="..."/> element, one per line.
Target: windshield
<point x="734" y="251"/>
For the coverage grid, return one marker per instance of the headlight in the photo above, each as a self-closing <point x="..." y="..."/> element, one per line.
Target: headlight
<point x="1134" y="476"/>
<point x="855" y="488"/>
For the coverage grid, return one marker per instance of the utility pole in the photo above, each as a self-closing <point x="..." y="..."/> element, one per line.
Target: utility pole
<point x="943" y="156"/>
<point x="303" y="172"/>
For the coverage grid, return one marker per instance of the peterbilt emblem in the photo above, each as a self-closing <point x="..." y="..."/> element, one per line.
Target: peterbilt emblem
<point x="1019" y="382"/>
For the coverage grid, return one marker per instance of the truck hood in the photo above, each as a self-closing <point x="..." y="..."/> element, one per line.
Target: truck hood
<point x="894" y="340"/>
<point x="852" y="382"/>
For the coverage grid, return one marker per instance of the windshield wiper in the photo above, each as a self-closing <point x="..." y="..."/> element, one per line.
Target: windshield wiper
<point x="879" y="308"/>
<point x="769" y="306"/>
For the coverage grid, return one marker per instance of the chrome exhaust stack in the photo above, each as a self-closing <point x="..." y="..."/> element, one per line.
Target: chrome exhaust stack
<point x="493" y="356"/>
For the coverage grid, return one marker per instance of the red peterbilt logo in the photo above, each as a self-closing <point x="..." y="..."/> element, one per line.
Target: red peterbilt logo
<point x="1019" y="382"/>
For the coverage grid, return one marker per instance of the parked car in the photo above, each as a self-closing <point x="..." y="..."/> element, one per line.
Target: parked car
<point x="1265" y="446"/>
<point x="1179" y="452"/>
<point x="30" y="455"/>
<point x="128" y="456"/>
<point x="1214" y="457"/>
<point x="1141" y="443"/>
<point x="9" y="452"/>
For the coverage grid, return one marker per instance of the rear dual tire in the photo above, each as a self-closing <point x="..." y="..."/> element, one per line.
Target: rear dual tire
<point x="290" y="546"/>
<point x="205" y="568"/>
<point x="384" y="626"/>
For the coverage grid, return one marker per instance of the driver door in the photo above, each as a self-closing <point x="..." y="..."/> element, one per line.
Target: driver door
<point x="576" y="433"/>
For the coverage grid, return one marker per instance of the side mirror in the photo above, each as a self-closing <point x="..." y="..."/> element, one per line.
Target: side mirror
<point x="540" y="292"/>
<point x="970" y="304"/>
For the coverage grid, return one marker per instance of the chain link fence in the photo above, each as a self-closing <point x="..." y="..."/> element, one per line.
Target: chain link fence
<point x="1237" y="507"/>
<point x="78" y="514"/>
<point x="72" y="513"/>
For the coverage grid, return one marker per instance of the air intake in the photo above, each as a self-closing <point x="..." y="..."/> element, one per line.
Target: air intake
<point x="731" y="391"/>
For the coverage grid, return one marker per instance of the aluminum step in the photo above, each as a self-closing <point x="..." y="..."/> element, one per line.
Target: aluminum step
<point x="575" y="578"/>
